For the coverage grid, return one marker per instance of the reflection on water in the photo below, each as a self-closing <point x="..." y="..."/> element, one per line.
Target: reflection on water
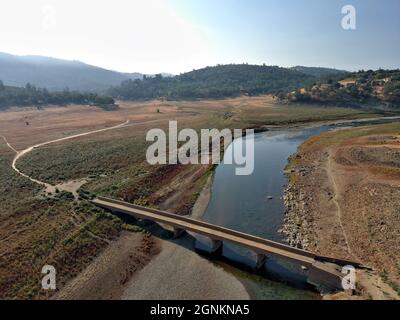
<point x="243" y="203"/>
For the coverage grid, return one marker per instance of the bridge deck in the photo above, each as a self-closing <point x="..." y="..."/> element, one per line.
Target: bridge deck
<point x="323" y="271"/>
<point x="256" y="244"/>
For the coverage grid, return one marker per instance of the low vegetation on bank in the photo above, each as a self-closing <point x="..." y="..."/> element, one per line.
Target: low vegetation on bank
<point x="41" y="231"/>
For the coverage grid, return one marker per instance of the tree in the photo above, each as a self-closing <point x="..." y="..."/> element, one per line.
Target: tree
<point x="30" y="95"/>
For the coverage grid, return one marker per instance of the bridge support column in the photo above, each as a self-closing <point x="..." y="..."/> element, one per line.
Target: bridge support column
<point x="178" y="233"/>
<point x="261" y="260"/>
<point x="216" y="247"/>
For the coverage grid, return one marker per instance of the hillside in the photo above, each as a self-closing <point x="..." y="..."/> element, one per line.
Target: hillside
<point x="57" y="74"/>
<point x="358" y="89"/>
<point x="318" y="71"/>
<point x="215" y="82"/>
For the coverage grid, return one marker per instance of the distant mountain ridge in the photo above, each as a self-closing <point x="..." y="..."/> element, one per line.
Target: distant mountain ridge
<point x="57" y="74"/>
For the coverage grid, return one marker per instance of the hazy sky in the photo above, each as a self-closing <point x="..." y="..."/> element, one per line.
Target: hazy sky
<point x="174" y="36"/>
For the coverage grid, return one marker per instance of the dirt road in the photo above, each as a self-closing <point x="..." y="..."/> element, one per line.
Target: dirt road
<point x="20" y="154"/>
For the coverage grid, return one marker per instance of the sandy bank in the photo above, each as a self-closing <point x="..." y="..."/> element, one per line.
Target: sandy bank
<point x="107" y="276"/>
<point x="180" y="273"/>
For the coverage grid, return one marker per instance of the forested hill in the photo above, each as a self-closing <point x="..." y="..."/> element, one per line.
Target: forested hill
<point x="32" y="96"/>
<point x="358" y="89"/>
<point x="215" y="82"/>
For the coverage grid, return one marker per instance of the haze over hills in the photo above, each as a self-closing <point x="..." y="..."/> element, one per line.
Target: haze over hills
<point x="57" y="74"/>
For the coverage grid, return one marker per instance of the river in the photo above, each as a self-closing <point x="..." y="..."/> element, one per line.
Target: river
<point x="254" y="204"/>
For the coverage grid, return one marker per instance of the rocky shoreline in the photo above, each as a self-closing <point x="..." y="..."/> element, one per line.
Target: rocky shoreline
<point x="297" y="221"/>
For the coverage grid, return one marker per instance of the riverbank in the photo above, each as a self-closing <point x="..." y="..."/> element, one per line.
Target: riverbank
<point x="190" y="276"/>
<point x="341" y="201"/>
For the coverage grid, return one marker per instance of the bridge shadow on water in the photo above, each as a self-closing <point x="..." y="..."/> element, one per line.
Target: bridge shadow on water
<point x="231" y="258"/>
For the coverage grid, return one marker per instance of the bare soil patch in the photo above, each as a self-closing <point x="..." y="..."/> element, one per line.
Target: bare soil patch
<point x="107" y="276"/>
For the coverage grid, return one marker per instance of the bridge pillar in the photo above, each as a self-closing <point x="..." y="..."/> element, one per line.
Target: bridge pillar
<point x="216" y="247"/>
<point x="178" y="232"/>
<point x="261" y="260"/>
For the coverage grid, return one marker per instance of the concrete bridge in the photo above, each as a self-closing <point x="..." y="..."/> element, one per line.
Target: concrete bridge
<point x="323" y="272"/>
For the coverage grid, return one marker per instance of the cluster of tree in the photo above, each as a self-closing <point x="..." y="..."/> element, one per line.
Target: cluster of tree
<point x="214" y="82"/>
<point x="32" y="96"/>
<point x="380" y="87"/>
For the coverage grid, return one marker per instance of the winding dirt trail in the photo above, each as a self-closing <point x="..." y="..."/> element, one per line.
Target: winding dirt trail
<point x="329" y="170"/>
<point x="374" y="286"/>
<point x="20" y="154"/>
<point x="9" y="145"/>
